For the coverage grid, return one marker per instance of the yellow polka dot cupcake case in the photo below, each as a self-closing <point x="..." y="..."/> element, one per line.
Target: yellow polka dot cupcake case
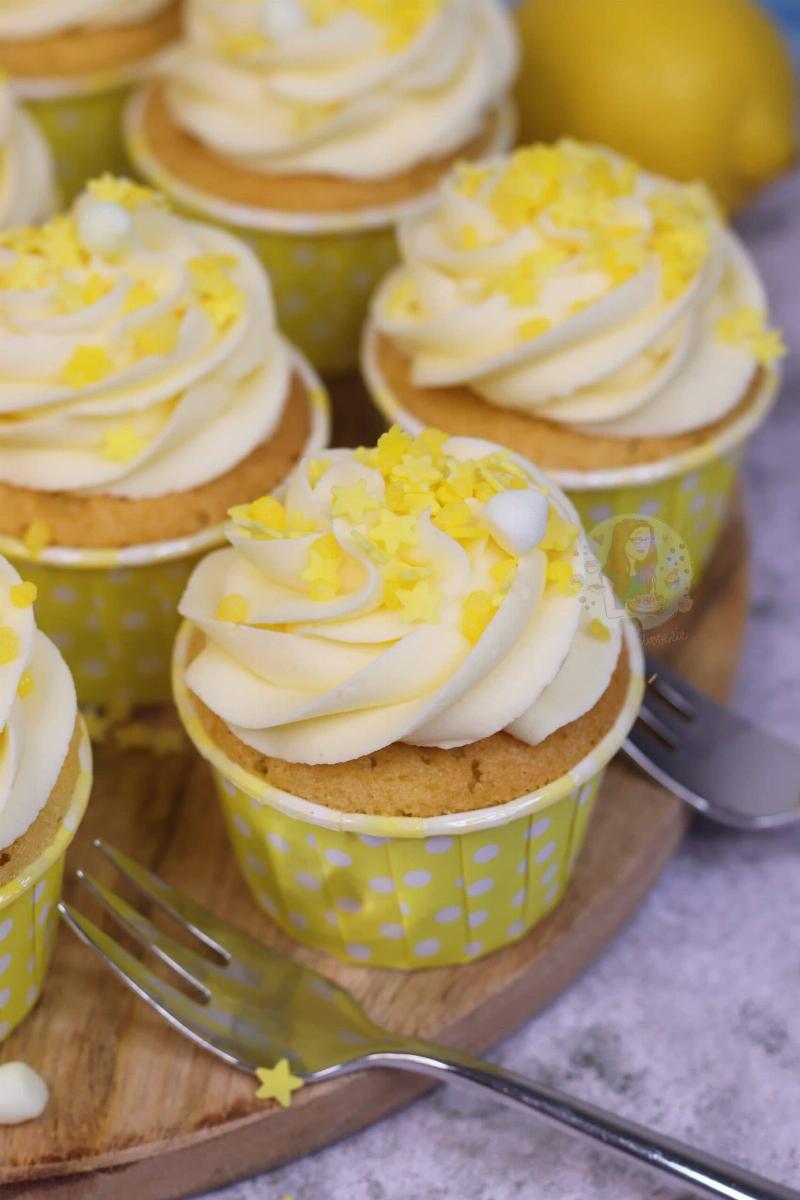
<point x="317" y="186"/>
<point x="45" y="782"/>
<point x="168" y="395"/>
<point x="384" y="797"/>
<point x="604" y="321"/>
<point x="74" y="66"/>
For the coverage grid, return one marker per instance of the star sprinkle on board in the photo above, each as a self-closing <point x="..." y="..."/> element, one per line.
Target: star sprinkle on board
<point x="277" y="1083"/>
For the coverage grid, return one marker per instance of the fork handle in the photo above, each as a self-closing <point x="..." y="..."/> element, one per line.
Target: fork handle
<point x="702" y="1174"/>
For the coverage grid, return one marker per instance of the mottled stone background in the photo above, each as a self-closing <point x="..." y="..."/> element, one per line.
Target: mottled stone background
<point x="691" y="1021"/>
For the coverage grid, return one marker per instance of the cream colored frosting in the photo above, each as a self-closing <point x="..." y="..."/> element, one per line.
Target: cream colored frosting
<point x="357" y="88"/>
<point x="27" y="182"/>
<point x="38" y="710"/>
<point x="565" y="283"/>
<point x="389" y="598"/>
<point x="21" y="19"/>
<point x="138" y="351"/>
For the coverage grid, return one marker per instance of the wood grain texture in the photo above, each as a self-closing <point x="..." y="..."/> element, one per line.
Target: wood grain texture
<point x="139" y="1112"/>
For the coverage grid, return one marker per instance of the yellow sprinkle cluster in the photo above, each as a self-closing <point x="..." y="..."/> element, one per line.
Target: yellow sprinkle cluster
<point x="579" y="188"/>
<point x="233" y="607"/>
<point x="157" y="337"/>
<point x="401" y="20"/>
<point x="599" y="630"/>
<point x="748" y="328"/>
<point x="267" y="518"/>
<point x="116" y="190"/>
<point x="216" y="290"/>
<point x="9" y="645"/>
<point x="74" y="294"/>
<point x="24" y="594"/>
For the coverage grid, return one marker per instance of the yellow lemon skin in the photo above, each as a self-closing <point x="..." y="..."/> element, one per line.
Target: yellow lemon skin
<point x="692" y="89"/>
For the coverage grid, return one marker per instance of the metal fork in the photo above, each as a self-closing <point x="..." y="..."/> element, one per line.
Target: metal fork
<point x="253" y="1007"/>
<point x="713" y="759"/>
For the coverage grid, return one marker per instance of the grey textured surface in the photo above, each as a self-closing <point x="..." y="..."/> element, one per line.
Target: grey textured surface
<point x="690" y="1022"/>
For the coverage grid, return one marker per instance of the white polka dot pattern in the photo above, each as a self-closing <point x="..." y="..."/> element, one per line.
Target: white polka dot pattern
<point x="407" y="902"/>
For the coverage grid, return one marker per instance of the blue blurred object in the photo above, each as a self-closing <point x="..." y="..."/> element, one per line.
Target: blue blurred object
<point x="788" y="13"/>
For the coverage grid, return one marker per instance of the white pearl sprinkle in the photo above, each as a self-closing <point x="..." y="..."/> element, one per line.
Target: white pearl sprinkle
<point x="23" y="1094"/>
<point x="282" y="18"/>
<point x="105" y="228"/>
<point x="517" y="520"/>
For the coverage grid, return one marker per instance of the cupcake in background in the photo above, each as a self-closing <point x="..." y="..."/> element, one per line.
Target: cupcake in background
<point x="409" y="677"/>
<point x="591" y="315"/>
<point x="45" y="778"/>
<point x="311" y="126"/>
<point x="145" y="389"/>
<point x="73" y="61"/>
<point x="27" y="182"/>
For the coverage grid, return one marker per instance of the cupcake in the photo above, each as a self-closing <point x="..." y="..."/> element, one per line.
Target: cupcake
<point x="144" y="391"/>
<point x="74" y="62"/>
<point x="27" y="184"/>
<point x="409" y="676"/>
<point x="311" y="127"/>
<point x="592" y="316"/>
<point x="45" y="778"/>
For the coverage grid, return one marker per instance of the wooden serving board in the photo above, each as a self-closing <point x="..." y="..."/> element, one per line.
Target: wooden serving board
<point x="137" y="1111"/>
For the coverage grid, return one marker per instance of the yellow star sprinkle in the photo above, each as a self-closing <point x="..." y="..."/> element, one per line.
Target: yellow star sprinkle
<point x="457" y="521"/>
<point x="478" y="610"/>
<point x="468" y="238"/>
<point x="123" y="444"/>
<point x="316" y="468"/>
<point x="422" y="602"/>
<point x="399" y="576"/>
<point x="159" y="337"/>
<point x="219" y="295"/>
<point x="140" y="295"/>
<point x="25" y="685"/>
<point x="88" y="365"/>
<point x="233" y="608"/>
<point x="560" y="536"/>
<point x="24" y="594"/>
<point x="393" y="531"/>
<point x="37" y="536"/>
<point x="417" y="472"/>
<point x="268" y="511"/>
<point x="353" y="502"/>
<point x="74" y="295"/>
<point x="533" y="328"/>
<point x="277" y="1083"/>
<point x="599" y="630"/>
<point x="9" y="645"/>
<point x="391" y="447"/>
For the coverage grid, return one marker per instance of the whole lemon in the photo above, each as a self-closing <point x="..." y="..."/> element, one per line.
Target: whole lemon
<point x="693" y="89"/>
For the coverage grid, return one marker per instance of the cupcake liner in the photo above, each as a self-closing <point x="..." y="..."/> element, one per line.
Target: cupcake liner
<point x="690" y="491"/>
<point x="28" y="912"/>
<point x="114" y="613"/>
<point x="403" y="892"/>
<point x="82" y="121"/>
<point x="323" y="267"/>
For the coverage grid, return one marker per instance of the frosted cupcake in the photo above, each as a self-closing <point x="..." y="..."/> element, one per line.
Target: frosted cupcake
<point x="45" y="777"/>
<point x="593" y="316"/>
<point x="409" y="678"/>
<point x="311" y="126"/>
<point x="27" y="185"/>
<point x="144" y="390"/>
<point x="74" y="61"/>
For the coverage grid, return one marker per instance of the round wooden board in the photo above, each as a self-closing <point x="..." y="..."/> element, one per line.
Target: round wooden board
<point x="137" y="1111"/>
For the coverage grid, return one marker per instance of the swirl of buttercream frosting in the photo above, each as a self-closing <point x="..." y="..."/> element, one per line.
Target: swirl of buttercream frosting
<point x="24" y="19"/>
<point x="433" y="591"/>
<point x="38" y="709"/>
<point x="565" y="283"/>
<point x="138" y="351"/>
<point x="357" y="88"/>
<point x="27" y="178"/>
